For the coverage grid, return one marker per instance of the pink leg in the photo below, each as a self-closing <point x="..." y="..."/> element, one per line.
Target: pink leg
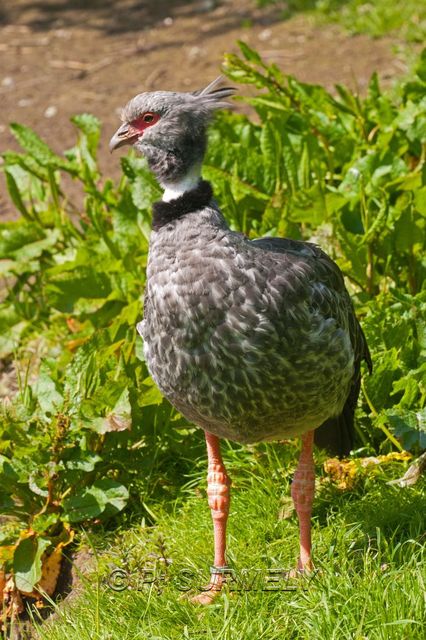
<point x="218" y="491"/>
<point x="302" y="492"/>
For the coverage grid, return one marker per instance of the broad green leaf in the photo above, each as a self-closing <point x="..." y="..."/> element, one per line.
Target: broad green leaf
<point x="11" y="338"/>
<point x="15" y="193"/>
<point x="83" y="461"/>
<point x="85" y="505"/>
<point x="379" y="384"/>
<point x="151" y="395"/>
<point x="48" y="397"/>
<point x="420" y="200"/>
<point x="36" y="147"/>
<point x="8" y="475"/>
<point x="250" y="54"/>
<point x="35" y="249"/>
<point x="17" y="235"/>
<point x="104" y="495"/>
<point x="65" y="290"/>
<point x="116" y="496"/>
<point x="410" y="388"/>
<point x="27" y="562"/>
<point x="409" y="426"/>
<point x="270" y="147"/>
<point x="91" y="127"/>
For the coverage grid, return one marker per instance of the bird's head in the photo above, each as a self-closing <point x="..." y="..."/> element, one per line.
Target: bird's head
<point x="169" y="128"/>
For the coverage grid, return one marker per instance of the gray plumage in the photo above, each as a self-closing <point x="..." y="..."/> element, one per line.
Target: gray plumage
<point x="250" y="339"/>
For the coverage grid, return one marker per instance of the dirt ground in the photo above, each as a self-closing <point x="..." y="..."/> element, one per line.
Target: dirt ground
<point x="61" y="57"/>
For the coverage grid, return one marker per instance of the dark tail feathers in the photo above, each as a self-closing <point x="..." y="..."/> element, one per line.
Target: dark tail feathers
<point x="336" y="434"/>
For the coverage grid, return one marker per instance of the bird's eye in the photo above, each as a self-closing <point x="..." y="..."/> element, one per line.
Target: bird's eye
<point x="145" y="120"/>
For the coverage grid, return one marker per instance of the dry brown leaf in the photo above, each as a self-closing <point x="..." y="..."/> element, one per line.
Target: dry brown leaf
<point x="395" y="456"/>
<point x="343" y="472"/>
<point x="12" y="601"/>
<point x="74" y="344"/>
<point x="74" y="325"/>
<point x="50" y="569"/>
<point x="118" y="423"/>
<point x="346" y="472"/>
<point x="2" y="583"/>
<point x="287" y="509"/>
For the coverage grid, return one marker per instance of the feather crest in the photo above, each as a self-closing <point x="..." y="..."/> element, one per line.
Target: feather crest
<point x="214" y="95"/>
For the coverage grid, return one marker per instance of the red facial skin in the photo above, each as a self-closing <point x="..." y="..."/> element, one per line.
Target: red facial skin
<point x="138" y="126"/>
<point x="130" y="132"/>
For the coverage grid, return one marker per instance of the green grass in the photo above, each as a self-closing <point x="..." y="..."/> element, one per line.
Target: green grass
<point x="368" y="546"/>
<point x="380" y="17"/>
<point x="407" y="20"/>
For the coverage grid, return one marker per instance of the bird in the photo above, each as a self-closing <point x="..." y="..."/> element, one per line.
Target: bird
<point x="251" y="340"/>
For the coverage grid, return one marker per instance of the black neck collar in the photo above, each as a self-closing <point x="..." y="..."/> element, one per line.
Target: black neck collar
<point x="188" y="202"/>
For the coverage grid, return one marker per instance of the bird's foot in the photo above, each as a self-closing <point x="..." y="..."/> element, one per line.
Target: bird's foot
<point x="305" y="565"/>
<point x="214" y="588"/>
<point x="208" y="596"/>
<point x="302" y="569"/>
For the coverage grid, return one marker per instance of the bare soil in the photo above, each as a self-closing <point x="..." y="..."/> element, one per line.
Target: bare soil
<point x="62" y="57"/>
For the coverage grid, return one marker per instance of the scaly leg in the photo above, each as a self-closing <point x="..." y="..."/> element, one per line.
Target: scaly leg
<point x="218" y="491"/>
<point x="302" y="492"/>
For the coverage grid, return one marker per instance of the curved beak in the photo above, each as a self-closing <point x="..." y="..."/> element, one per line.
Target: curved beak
<point x="126" y="134"/>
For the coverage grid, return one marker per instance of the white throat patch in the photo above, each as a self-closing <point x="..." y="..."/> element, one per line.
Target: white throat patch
<point x="174" y="190"/>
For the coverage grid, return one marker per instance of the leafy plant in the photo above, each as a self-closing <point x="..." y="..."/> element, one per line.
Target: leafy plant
<point x="86" y="411"/>
<point x="350" y="174"/>
<point x="87" y="428"/>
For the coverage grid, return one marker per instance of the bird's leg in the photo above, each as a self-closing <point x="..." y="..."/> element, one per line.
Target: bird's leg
<point x="302" y="492"/>
<point x="218" y="491"/>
